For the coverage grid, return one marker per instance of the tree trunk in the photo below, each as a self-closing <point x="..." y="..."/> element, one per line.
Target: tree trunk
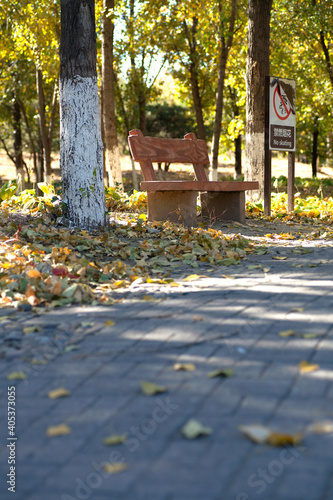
<point x="315" y="147"/>
<point x="238" y="156"/>
<point x="191" y="38"/>
<point x="18" y="145"/>
<point x="31" y="139"/>
<point x="112" y="159"/>
<point x="256" y="71"/>
<point x="42" y="125"/>
<point x="224" y="52"/>
<point x="81" y="147"/>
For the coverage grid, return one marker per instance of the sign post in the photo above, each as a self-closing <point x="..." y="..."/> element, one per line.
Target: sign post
<point x="280" y="132"/>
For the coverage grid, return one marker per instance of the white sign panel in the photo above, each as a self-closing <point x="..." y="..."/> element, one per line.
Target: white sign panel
<point x="282" y="115"/>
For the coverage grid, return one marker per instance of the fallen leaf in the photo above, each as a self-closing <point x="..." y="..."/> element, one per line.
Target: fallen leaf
<point x="150" y="389"/>
<point x="276" y="257"/>
<point x="194" y="277"/>
<point x="221" y="372"/>
<point x="287" y="333"/>
<point x="261" y="434"/>
<point x="193" y="429"/>
<point x="114" y="439"/>
<point x="324" y="427"/>
<point x="70" y="348"/>
<point x="114" y="468"/>
<point x="58" y="393"/>
<point x="197" y="318"/>
<point x="252" y="267"/>
<point x="297" y="309"/>
<point x="30" y="329"/>
<point x="58" y="430"/>
<point x="16" y="376"/>
<point x="109" y="322"/>
<point x="306" y="367"/>
<point x="186" y="367"/>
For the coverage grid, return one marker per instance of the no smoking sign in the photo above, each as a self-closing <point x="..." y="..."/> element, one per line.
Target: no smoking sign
<point x="282" y="116"/>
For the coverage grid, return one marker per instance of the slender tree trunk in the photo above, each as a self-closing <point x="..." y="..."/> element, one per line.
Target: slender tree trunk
<point x="315" y="147"/>
<point x="31" y="140"/>
<point x="81" y="147"/>
<point x="238" y="156"/>
<point x="224" y="52"/>
<point x="18" y="145"/>
<point x="191" y="38"/>
<point x="112" y="159"/>
<point x="256" y="71"/>
<point x="42" y="125"/>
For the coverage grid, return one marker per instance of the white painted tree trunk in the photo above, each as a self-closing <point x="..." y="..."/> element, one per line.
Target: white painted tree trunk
<point x="81" y="152"/>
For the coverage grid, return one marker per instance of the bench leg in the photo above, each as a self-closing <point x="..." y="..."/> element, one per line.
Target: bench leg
<point x="176" y="206"/>
<point x="226" y="205"/>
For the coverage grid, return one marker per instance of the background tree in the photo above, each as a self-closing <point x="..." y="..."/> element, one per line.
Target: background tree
<point x="81" y="147"/>
<point x="259" y="13"/>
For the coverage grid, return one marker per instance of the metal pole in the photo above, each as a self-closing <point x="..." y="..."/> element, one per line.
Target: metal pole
<point x="267" y="161"/>
<point x="291" y="180"/>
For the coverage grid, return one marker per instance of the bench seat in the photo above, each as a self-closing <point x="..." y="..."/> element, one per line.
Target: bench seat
<point x="177" y="200"/>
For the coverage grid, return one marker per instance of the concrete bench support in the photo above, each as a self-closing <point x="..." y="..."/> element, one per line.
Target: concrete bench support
<point x="175" y="206"/>
<point x="227" y="205"/>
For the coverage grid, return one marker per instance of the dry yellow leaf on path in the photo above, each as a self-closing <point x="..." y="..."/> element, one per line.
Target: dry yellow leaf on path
<point x="16" y="376"/>
<point x="261" y="434"/>
<point x="58" y="393"/>
<point x="114" y="468"/>
<point x="30" y="329"/>
<point x="193" y="429"/>
<point x="311" y="335"/>
<point x="58" y="430"/>
<point x="324" y="427"/>
<point x="306" y="367"/>
<point x="109" y="322"/>
<point x="287" y="333"/>
<point x="276" y="257"/>
<point x="197" y="318"/>
<point x="150" y="389"/>
<point x="114" y="439"/>
<point x="221" y="372"/>
<point x="193" y="277"/>
<point x="297" y="309"/>
<point x="186" y="367"/>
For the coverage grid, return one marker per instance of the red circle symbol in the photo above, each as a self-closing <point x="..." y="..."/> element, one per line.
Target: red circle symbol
<point x="282" y="111"/>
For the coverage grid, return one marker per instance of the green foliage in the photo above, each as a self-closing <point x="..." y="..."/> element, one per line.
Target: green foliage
<point x="8" y="190"/>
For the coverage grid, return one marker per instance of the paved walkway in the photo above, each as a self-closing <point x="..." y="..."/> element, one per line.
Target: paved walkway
<point x="230" y="319"/>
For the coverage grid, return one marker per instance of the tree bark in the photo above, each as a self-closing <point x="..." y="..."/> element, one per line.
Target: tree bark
<point x="257" y="69"/>
<point x="112" y="159"/>
<point x="224" y="52"/>
<point x="81" y="147"/>
<point x="315" y="147"/>
<point x="42" y="125"/>
<point x="18" y="145"/>
<point x="191" y="38"/>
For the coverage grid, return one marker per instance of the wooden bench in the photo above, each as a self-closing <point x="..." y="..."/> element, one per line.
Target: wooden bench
<point x="177" y="200"/>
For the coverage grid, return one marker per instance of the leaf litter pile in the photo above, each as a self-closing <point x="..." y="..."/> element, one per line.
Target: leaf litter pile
<point x="45" y="264"/>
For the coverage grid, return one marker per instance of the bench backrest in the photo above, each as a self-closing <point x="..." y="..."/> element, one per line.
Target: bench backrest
<point x="147" y="150"/>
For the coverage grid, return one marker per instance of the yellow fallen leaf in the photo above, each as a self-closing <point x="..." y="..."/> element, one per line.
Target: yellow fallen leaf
<point x="30" y="329"/>
<point x="197" y="318"/>
<point x="311" y="335"/>
<point x="58" y="430"/>
<point x="186" y="367"/>
<point x="297" y="309"/>
<point x="221" y="372"/>
<point x="193" y="429"/>
<point x="58" y="393"/>
<point x="266" y="269"/>
<point x="252" y="267"/>
<point x="306" y="367"/>
<point x="149" y="388"/>
<point x="16" y="376"/>
<point x="193" y="277"/>
<point x="276" y="257"/>
<point x="109" y="322"/>
<point x="287" y="333"/>
<point x="114" y="439"/>
<point x="280" y="439"/>
<point x="114" y="468"/>
<point x="325" y="427"/>
<point x="261" y="434"/>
